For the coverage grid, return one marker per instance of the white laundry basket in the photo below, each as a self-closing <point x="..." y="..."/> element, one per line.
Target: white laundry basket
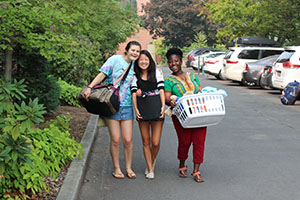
<point x="200" y="110"/>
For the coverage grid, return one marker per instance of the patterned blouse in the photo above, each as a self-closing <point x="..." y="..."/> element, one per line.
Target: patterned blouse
<point x="178" y="86"/>
<point x="114" y="67"/>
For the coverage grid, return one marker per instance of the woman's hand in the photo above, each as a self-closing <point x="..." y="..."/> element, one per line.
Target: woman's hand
<point x="98" y="79"/>
<point x="173" y="103"/>
<point x="162" y="112"/>
<point x="86" y="93"/>
<point x="138" y="115"/>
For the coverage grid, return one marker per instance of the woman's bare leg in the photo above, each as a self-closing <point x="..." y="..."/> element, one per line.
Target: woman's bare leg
<point x="127" y="129"/>
<point x="156" y="129"/>
<point x="145" y="133"/>
<point x="114" y="130"/>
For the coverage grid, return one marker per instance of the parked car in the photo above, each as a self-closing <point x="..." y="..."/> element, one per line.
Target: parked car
<point x="253" y="71"/>
<point x="196" y="52"/>
<point x="214" y="66"/>
<point x="287" y="67"/>
<point x="198" y="61"/>
<point x="266" y="78"/>
<point x="234" y="61"/>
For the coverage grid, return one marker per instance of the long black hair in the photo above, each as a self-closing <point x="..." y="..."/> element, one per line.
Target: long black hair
<point x="151" y="69"/>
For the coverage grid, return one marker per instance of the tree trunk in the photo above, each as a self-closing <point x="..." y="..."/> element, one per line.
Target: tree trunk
<point x="8" y="63"/>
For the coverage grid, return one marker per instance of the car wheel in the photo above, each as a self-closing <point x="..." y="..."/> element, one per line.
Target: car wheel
<point x="260" y="84"/>
<point x="220" y="76"/>
<point x="245" y="83"/>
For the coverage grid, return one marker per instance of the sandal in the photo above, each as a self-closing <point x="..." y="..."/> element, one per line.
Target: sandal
<point x="131" y="175"/>
<point x="197" y="177"/>
<point x="182" y="172"/>
<point x="118" y="175"/>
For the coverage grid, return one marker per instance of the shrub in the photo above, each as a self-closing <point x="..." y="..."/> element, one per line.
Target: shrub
<point x="68" y="93"/>
<point x="28" y="154"/>
<point x="36" y="71"/>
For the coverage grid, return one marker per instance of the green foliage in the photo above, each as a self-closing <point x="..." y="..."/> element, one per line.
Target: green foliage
<point x="27" y="154"/>
<point x="77" y="36"/>
<point x="68" y="94"/>
<point x="16" y="119"/>
<point x="50" y="149"/>
<point x="200" y="41"/>
<point x="35" y="69"/>
<point x="14" y="153"/>
<point x="161" y="49"/>
<point x="274" y="19"/>
<point x="98" y="32"/>
<point x="177" y="22"/>
<point x="53" y="147"/>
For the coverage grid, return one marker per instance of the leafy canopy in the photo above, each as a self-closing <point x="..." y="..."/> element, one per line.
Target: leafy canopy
<point x="76" y="35"/>
<point x="176" y="21"/>
<point x="274" y="19"/>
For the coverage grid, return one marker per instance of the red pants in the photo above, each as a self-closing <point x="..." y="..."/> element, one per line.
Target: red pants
<point x="187" y="136"/>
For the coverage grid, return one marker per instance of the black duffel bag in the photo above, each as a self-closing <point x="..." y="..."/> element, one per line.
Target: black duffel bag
<point x="103" y="100"/>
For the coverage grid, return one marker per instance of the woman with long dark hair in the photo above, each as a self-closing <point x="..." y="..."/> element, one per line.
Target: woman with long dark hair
<point x="149" y="104"/>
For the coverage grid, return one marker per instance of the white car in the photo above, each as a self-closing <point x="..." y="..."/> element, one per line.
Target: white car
<point x="198" y="61"/>
<point x="214" y="66"/>
<point x="287" y="67"/>
<point x="235" y="60"/>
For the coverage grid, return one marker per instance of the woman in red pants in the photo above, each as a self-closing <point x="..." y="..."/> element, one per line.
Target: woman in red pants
<point x="179" y="83"/>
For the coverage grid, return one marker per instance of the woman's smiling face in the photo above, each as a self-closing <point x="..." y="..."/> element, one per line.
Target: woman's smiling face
<point x="143" y="62"/>
<point x="133" y="52"/>
<point x="174" y="63"/>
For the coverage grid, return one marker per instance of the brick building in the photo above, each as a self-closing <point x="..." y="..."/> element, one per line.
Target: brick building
<point x="143" y="36"/>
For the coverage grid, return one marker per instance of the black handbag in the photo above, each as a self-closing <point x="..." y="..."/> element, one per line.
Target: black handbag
<point x="104" y="99"/>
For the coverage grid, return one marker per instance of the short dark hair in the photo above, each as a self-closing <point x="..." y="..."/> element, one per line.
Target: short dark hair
<point x="132" y="43"/>
<point x="174" y="51"/>
<point x="151" y="69"/>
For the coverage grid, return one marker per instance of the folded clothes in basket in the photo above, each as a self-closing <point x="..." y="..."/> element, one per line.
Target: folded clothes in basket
<point x="209" y="89"/>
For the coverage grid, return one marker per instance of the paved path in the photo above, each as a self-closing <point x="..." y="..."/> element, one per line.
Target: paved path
<point x="252" y="154"/>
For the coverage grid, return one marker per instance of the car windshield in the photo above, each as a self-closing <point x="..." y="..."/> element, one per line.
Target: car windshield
<point x="285" y="56"/>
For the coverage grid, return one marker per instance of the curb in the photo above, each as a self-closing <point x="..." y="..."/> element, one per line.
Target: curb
<point x="73" y="180"/>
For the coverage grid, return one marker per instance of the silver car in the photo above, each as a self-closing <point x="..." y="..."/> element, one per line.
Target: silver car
<point x="253" y="71"/>
<point x="266" y="78"/>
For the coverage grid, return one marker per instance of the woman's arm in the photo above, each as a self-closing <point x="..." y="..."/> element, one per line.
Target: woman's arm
<point x="163" y="102"/>
<point x="98" y="79"/>
<point x="168" y="99"/>
<point x="134" y="102"/>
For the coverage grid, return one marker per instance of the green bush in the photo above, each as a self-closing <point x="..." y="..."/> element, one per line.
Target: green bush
<point x="28" y="154"/>
<point x="36" y="71"/>
<point x="40" y="153"/>
<point x="68" y="93"/>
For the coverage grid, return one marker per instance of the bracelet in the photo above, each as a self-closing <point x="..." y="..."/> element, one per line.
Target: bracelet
<point x="89" y="87"/>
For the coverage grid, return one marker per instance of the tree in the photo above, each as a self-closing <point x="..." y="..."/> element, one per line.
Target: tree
<point x="177" y="22"/>
<point x="273" y="19"/>
<point x="75" y="35"/>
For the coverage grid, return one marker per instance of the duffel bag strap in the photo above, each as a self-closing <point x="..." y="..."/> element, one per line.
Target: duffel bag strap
<point x="123" y="76"/>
